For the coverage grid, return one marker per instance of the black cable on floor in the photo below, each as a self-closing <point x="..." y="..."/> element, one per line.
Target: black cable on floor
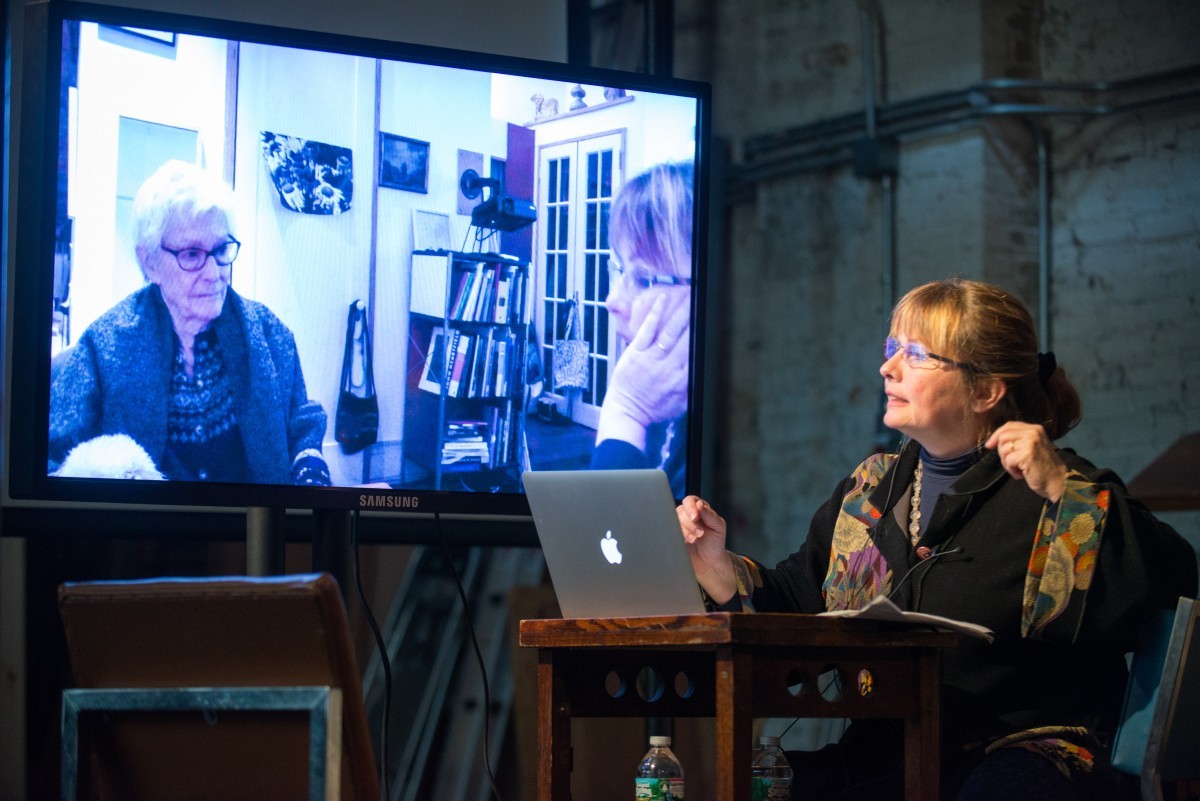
<point x="487" y="700"/>
<point x="383" y="657"/>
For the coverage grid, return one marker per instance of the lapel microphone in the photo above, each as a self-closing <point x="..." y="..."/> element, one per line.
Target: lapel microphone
<point x="926" y="563"/>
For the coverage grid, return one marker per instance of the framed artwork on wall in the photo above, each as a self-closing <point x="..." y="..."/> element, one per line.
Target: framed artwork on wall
<point x="403" y="163"/>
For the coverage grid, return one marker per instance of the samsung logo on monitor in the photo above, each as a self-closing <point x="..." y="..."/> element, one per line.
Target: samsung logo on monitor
<point x="387" y="502"/>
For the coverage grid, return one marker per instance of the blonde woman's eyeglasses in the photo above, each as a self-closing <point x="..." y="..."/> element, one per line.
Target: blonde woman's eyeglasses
<point x="917" y="355"/>
<point x="640" y="280"/>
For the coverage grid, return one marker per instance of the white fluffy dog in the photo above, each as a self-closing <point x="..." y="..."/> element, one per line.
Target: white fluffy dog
<point x="109" y="456"/>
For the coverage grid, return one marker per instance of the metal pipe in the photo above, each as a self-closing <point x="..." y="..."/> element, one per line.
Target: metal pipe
<point x="976" y="100"/>
<point x="1045" y="250"/>
<point x="867" y="13"/>
<point x="832" y="148"/>
<point x="867" y="27"/>
<point x="887" y="203"/>
<point x="1179" y="73"/>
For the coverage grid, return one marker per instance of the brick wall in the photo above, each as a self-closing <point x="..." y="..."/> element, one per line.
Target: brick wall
<point x="802" y="301"/>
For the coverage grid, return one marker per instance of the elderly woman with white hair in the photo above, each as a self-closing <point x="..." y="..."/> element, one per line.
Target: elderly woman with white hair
<point x="206" y="382"/>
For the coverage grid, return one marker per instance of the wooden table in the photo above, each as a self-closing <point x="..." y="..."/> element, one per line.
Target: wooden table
<point x="736" y="667"/>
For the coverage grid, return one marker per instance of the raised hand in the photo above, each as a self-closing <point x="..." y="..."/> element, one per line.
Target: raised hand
<point x="704" y="532"/>
<point x="1028" y="454"/>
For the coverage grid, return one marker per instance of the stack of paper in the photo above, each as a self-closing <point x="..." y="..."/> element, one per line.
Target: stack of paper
<point x="882" y="608"/>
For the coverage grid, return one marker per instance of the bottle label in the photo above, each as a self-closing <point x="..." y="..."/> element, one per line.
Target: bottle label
<point x="770" y="789"/>
<point x="658" y="789"/>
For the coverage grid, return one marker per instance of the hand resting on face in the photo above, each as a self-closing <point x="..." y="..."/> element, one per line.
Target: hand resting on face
<point x="649" y="384"/>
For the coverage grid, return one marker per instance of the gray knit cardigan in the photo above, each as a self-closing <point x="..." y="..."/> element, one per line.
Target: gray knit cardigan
<point x="116" y="379"/>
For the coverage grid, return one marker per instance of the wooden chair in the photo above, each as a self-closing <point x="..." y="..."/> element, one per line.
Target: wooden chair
<point x="1159" y="735"/>
<point x="231" y="688"/>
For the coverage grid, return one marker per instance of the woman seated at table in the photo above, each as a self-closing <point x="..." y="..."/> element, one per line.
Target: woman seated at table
<point x="185" y="373"/>
<point x="979" y="517"/>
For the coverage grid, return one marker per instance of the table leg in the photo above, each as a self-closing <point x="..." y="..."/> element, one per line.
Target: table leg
<point x="554" y="732"/>
<point x="734" y="723"/>
<point x="922" y="732"/>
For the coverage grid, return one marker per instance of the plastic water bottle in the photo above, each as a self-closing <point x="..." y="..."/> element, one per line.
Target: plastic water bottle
<point x="770" y="772"/>
<point x="659" y="776"/>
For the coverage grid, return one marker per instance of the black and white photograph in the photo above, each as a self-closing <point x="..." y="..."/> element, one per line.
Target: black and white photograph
<point x="311" y="177"/>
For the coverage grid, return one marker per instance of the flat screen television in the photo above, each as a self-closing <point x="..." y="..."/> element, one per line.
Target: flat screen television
<point x="198" y="334"/>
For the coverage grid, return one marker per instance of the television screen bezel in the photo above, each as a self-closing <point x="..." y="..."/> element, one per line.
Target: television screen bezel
<point x="28" y="330"/>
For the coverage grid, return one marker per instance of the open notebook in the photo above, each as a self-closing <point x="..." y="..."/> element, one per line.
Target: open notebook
<point x="612" y="543"/>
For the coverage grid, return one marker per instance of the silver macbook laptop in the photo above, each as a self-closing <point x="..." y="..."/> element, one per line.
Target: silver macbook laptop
<point x="612" y="543"/>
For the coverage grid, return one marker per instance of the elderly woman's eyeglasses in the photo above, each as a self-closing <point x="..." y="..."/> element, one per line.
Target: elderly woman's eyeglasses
<point x="617" y="271"/>
<point x="192" y="259"/>
<point x="916" y="355"/>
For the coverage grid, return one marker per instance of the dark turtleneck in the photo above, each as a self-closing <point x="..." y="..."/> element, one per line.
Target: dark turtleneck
<point x="938" y="475"/>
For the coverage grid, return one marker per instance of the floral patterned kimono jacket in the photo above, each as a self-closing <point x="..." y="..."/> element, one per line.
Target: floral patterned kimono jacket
<point x="1064" y="586"/>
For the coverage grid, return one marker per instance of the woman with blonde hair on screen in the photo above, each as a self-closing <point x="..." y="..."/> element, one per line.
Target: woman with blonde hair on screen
<point x="642" y="419"/>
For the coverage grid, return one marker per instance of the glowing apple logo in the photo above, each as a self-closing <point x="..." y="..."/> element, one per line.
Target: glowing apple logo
<point x="609" y="546"/>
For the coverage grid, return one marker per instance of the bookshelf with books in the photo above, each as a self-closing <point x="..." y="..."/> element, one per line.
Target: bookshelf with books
<point x="468" y="330"/>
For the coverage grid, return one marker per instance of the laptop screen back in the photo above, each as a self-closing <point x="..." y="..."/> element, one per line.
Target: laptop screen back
<point x="612" y="543"/>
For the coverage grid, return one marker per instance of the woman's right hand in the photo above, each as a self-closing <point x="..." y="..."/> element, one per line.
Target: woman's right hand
<point x="704" y="532"/>
<point x="652" y="374"/>
<point x="650" y="381"/>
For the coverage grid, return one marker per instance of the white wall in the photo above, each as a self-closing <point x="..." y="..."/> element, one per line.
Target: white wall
<point x="306" y="268"/>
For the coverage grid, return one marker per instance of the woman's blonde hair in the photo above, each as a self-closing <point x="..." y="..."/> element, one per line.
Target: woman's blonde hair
<point x="651" y="219"/>
<point x="992" y="332"/>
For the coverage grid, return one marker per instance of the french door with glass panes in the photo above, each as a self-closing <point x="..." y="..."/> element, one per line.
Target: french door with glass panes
<point x="577" y="181"/>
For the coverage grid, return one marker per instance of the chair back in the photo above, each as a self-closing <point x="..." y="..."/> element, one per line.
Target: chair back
<point x="1159" y="734"/>
<point x="284" y="631"/>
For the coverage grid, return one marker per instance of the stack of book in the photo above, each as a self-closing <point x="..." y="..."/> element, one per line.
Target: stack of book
<point x="466" y="444"/>
<point x="480" y="364"/>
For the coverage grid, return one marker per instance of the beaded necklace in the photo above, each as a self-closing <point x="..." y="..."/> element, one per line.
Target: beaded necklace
<point x="914" y="514"/>
<point x="943" y="473"/>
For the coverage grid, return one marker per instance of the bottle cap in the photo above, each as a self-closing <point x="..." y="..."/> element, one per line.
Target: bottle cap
<point x="768" y="740"/>
<point x="659" y="739"/>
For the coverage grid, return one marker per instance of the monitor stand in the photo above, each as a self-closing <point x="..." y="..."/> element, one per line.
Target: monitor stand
<point x="331" y="546"/>
<point x="265" y="541"/>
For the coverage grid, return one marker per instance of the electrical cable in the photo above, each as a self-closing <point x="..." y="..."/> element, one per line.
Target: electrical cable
<point x="926" y="563"/>
<point x="836" y="679"/>
<point x="887" y="501"/>
<point x="936" y="554"/>
<point x="487" y="699"/>
<point x="383" y="657"/>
